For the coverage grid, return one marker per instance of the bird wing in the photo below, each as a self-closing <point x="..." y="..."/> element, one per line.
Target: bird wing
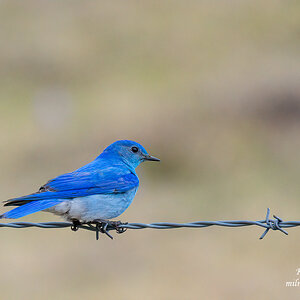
<point x="81" y="184"/>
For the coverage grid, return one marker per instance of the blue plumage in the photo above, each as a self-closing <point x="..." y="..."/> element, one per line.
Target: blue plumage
<point x="30" y="208"/>
<point x="102" y="189"/>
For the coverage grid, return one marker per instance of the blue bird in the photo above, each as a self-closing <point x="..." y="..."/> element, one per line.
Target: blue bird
<point x="97" y="192"/>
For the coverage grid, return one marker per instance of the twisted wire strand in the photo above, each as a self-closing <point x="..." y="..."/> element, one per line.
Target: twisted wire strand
<point x="267" y="224"/>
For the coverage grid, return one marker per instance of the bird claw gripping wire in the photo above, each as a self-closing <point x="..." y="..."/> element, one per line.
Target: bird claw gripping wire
<point x="101" y="226"/>
<point x="273" y="224"/>
<point x="104" y="226"/>
<point x="75" y="225"/>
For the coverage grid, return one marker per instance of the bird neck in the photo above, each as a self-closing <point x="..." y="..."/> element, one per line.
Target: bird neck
<point x="114" y="159"/>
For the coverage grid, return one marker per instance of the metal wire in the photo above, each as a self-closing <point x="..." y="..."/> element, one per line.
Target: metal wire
<point x="267" y="224"/>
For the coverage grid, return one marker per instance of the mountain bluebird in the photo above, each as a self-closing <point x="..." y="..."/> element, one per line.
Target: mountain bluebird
<point x="97" y="192"/>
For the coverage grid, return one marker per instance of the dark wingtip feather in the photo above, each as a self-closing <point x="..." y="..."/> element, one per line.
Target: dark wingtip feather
<point x="7" y="202"/>
<point x="19" y="201"/>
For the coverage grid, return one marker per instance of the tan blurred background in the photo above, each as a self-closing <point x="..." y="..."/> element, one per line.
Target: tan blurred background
<point x="210" y="87"/>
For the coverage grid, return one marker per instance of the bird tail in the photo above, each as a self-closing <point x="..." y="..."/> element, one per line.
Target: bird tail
<point x="30" y="208"/>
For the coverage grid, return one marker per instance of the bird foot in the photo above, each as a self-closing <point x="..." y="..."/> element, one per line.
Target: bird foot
<point x="76" y="224"/>
<point x="104" y="226"/>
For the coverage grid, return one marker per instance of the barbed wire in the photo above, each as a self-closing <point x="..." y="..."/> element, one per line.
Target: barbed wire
<point x="104" y="227"/>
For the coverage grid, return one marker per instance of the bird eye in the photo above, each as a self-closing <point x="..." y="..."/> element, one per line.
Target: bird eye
<point x="134" y="149"/>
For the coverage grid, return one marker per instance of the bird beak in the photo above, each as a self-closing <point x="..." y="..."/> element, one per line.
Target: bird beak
<point x="151" y="158"/>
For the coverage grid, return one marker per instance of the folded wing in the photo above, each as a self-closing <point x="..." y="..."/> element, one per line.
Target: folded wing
<point x="80" y="184"/>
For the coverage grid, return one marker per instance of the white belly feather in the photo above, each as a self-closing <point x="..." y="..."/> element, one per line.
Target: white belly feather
<point x="89" y="208"/>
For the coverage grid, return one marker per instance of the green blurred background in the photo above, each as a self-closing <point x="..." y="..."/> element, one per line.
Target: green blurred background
<point x="210" y="87"/>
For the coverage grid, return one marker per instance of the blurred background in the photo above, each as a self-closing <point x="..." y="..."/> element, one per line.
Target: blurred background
<point x="210" y="87"/>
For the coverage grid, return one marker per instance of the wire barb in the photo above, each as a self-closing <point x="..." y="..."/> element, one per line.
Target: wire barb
<point x="274" y="224"/>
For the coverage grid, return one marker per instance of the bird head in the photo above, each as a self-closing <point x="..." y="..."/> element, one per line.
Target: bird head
<point x="130" y="152"/>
